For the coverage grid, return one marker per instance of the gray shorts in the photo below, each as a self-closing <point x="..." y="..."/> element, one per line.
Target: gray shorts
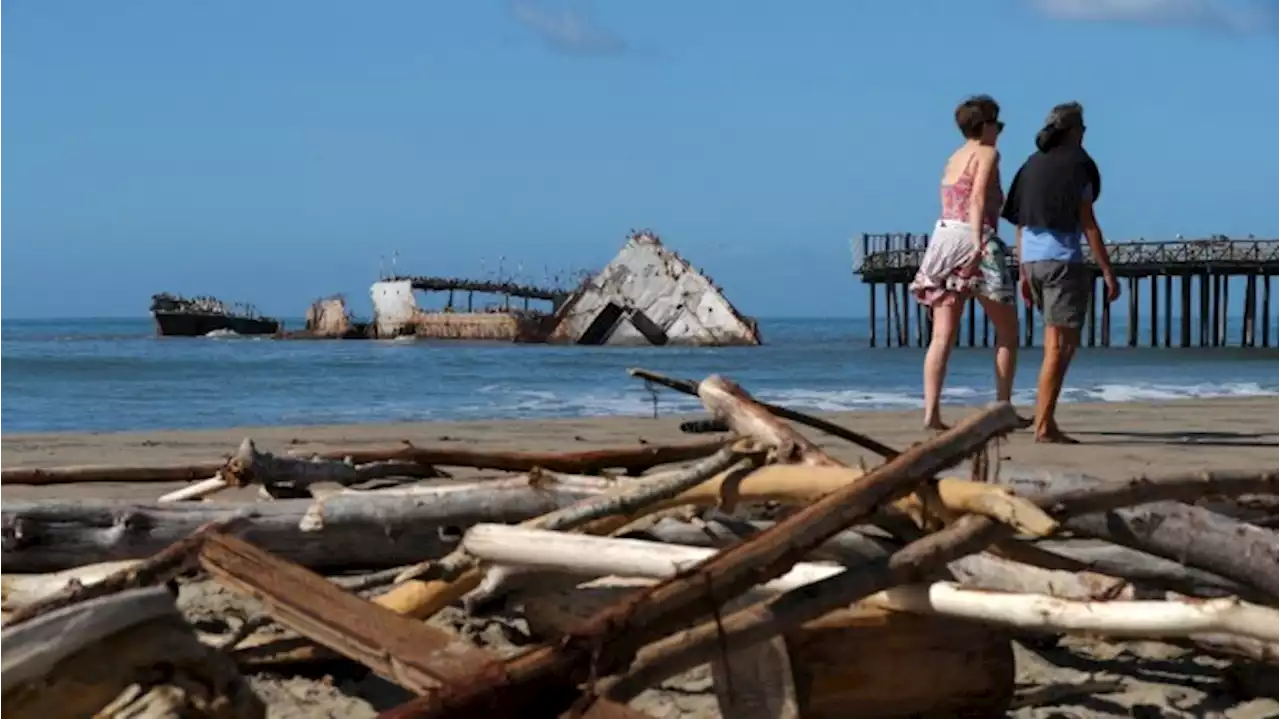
<point x="1060" y="290"/>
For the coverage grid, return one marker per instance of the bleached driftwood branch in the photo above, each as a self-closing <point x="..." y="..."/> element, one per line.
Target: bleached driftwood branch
<point x="20" y="590"/>
<point x="456" y="574"/>
<point x="588" y="556"/>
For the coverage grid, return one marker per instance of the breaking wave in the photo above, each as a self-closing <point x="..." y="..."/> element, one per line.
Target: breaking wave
<point x="507" y="401"/>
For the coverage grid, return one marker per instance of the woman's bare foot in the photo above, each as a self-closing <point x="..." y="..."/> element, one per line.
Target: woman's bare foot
<point x="936" y="425"/>
<point x="1055" y="436"/>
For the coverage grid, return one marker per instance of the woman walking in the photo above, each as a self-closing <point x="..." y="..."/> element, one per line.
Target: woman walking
<point x="965" y="258"/>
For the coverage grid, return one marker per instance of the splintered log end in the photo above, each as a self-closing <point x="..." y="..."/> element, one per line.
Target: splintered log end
<point x="238" y="471"/>
<point x="994" y="502"/>
<point x="727" y="401"/>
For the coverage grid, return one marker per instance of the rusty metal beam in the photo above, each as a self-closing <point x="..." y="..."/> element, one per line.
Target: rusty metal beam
<point x="513" y="289"/>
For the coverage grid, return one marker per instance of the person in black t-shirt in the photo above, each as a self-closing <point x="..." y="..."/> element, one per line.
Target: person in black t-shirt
<point x="1051" y="204"/>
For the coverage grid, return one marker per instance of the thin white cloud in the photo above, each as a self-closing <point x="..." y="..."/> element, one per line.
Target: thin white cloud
<point x="1230" y="15"/>
<point x="570" y="28"/>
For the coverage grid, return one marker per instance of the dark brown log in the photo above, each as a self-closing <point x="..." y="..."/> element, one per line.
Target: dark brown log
<point x="633" y="459"/>
<point x="868" y="662"/>
<point x="606" y="641"/>
<point x="96" y="473"/>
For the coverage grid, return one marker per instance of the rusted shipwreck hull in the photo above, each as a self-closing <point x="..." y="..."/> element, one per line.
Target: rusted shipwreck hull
<point x="513" y="319"/>
<point x="648" y="295"/>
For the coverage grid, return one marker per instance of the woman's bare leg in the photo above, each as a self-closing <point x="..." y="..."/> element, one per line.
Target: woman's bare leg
<point x="1005" y="319"/>
<point x="946" y="322"/>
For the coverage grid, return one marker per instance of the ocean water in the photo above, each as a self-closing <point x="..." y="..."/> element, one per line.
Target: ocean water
<point x="110" y="375"/>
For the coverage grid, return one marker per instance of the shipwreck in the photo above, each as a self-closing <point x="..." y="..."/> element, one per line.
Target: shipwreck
<point x="648" y="295"/>
<point x="520" y="313"/>
<point x="329" y="318"/>
<point x="198" y="316"/>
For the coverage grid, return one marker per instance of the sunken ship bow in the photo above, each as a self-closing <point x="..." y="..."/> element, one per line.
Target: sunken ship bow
<point x="177" y="316"/>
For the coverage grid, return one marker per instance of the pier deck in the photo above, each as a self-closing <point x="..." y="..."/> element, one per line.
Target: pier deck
<point x="1203" y="270"/>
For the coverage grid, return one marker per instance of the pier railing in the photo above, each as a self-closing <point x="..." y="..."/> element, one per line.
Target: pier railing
<point x="891" y="260"/>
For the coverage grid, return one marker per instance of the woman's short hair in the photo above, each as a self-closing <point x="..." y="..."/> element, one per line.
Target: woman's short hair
<point x="973" y="114"/>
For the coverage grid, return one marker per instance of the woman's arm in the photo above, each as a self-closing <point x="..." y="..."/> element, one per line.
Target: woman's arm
<point x="986" y="157"/>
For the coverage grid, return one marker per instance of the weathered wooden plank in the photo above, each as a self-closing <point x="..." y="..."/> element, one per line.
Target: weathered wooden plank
<point x="414" y="655"/>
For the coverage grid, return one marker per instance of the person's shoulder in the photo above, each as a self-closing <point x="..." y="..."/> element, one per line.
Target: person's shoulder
<point x="986" y="153"/>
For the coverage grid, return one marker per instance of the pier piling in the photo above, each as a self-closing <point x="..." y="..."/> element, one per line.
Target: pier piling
<point x="1205" y="270"/>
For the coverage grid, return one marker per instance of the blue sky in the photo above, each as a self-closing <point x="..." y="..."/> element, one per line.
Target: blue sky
<point x="277" y="151"/>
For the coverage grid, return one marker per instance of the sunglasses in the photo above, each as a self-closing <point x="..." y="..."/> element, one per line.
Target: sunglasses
<point x="999" y="125"/>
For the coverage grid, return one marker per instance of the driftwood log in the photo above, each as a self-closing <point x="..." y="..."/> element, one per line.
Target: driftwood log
<point x="125" y="654"/>
<point x="164" y="565"/>
<point x="373" y="530"/>
<point x="357" y="530"/>
<point x="1179" y="532"/>
<point x="289" y="476"/>
<point x="632" y="459"/>
<point x="690" y="387"/>
<point x="607" y="640"/>
<point x="19" y="590"/>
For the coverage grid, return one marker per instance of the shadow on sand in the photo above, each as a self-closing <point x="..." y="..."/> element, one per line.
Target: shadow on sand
<point x="1203" y="439"/>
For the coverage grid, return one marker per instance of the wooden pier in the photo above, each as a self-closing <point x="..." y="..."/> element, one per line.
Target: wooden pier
<point x="1197" y="272"/>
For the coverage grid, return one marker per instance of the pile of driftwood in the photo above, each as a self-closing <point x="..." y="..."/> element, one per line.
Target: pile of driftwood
<point x="813" y="588"/>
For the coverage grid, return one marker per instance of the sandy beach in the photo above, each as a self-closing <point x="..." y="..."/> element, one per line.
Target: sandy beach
<point x="1121" y="440"/>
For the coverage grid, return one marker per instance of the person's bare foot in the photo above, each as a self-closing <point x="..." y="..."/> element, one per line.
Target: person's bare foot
<point x="936" y="425"/>
<point x="1055" y="436"/>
